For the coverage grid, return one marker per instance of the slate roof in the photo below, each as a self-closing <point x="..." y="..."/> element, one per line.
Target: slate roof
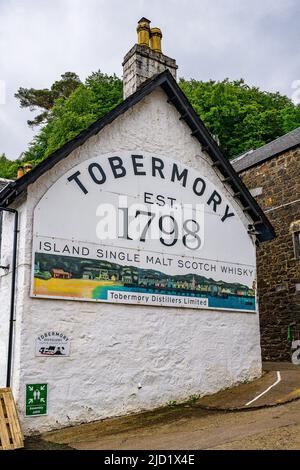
<point x="268" y="151"/>
<point x="3" y="183"/>
<point x="177" y="98"/>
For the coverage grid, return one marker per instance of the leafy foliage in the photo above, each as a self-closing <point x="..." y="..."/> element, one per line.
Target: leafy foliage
<point x="8" y="168"/>
<point x="239" y="116"/>
<point x="90" y="101"/>
<point x="45" y="98"/>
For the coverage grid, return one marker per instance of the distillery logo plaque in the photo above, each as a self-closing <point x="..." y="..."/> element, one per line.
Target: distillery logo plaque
<point x="52" y="344"/>
<point x="136" y="228"/>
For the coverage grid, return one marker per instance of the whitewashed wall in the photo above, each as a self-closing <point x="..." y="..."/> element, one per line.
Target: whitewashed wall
<point x="171" y="353"/>
<point x="5" y="284"/>
<point x="5" y="292"/>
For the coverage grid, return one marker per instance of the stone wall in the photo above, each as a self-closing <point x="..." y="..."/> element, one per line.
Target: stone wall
<point x="140" y="64"/>
<point x="276" y="184"/>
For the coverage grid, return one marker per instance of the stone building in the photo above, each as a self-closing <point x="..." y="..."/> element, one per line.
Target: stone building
<point x="92" y="346"/>
<point x="272" y="174"/>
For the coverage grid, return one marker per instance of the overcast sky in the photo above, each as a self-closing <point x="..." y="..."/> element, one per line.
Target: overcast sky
<point x="210" y="39"/>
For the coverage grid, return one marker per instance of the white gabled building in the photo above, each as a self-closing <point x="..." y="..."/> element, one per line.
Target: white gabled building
<point x="110" y="326"/>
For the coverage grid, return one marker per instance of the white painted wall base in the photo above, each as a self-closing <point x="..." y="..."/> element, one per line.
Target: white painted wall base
<point x="115" y="348"/>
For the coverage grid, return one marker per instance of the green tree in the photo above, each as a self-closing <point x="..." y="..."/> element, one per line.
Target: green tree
<point x="8" y="168"/>
<point x="44" y="99"/>
<point x="242" y="117"/>
<point x="90" y="101"/>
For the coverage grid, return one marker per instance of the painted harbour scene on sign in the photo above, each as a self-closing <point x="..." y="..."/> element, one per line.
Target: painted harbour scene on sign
<point x="90" y="279"/>
<point x="141" y="229"/>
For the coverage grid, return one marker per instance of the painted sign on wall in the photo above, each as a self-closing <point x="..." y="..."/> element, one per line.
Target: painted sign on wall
<point x="52" y="344"/>
<point x="142" y="229"/>
<point x="36" y="399"/>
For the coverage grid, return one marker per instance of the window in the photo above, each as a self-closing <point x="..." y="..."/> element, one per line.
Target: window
<point x="296" y="236"/>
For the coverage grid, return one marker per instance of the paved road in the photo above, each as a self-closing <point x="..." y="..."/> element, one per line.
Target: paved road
<point x="190" y="427"/>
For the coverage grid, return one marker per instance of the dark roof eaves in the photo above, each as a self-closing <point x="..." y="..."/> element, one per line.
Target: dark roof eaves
<point x="212" y="148"/>
<point x="187" y="113"/>
<point x="61" y="153"/>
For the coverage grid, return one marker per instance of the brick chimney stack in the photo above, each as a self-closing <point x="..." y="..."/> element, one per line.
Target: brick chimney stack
<point x="145" y="59"/>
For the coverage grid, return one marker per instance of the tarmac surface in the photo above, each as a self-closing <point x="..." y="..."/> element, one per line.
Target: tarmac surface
<point x="275" y="387"/>
<point x="263" y="414"/>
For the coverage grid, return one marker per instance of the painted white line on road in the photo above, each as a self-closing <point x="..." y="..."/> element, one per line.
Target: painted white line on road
<point x="267" y="390"/>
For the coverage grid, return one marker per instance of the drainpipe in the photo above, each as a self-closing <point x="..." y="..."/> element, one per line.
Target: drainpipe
<point x="12" y="294"/>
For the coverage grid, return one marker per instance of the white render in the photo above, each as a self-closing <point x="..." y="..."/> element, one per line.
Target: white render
<point x="171" y="353"/>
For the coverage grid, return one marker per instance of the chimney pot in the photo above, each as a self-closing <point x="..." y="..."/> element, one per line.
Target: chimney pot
<point x="155" y="39"/>
<point x="145" y="59"/>
<point x="20" y="172"/>
<point x="143" y="30"/>
<point x="27" y="167"/>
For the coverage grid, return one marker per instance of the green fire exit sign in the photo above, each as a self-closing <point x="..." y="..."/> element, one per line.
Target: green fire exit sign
<point x="36" y="399"/>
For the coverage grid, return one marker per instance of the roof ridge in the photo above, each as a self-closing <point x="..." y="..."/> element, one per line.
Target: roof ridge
<point x="270" y="150"/>
<point x="177" y="98"/>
